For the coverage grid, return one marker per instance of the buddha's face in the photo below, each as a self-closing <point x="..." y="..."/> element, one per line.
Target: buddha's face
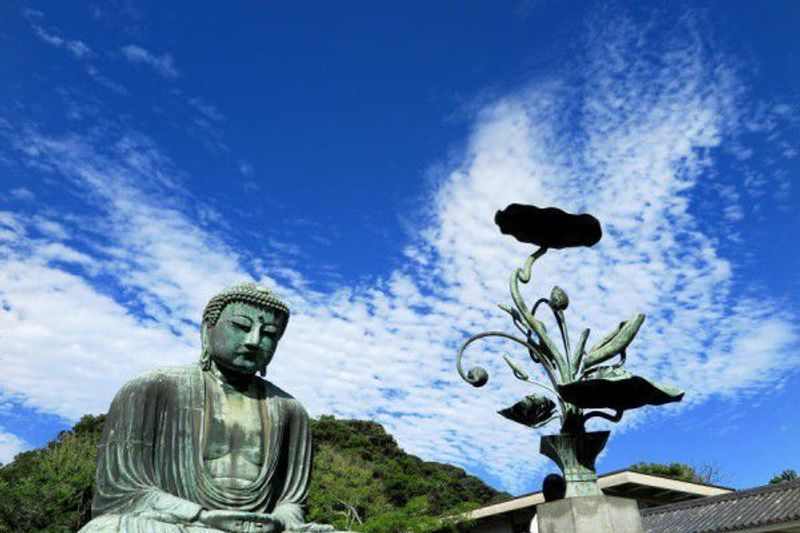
<point x="244" y="338"/>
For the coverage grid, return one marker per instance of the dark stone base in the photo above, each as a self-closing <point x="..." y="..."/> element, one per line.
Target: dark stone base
<point x="589" y="514"/>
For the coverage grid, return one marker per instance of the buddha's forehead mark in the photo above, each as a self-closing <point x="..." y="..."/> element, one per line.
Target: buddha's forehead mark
<point x="266" y="317"/>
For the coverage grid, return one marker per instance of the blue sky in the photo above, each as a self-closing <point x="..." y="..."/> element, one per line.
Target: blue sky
<point x="353" y="154"/>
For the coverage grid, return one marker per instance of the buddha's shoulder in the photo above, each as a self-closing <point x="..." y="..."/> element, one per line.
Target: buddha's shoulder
<point x="276" y="393"/>
<point x="163" y="377"/>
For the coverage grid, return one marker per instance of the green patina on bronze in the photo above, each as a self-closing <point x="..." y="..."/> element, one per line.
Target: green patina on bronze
<point x="581" y="386"/>
<point x="210" y="446"/>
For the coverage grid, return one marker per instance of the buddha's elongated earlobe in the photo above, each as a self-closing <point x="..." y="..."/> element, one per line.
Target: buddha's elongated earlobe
<point x="205" y="354"/>
<point x="263" y="370"/>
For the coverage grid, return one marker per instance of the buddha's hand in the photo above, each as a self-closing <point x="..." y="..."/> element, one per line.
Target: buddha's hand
<point x="241" y="522"/>
<point x="309" y="527"/>
<point x="314" y="528"/>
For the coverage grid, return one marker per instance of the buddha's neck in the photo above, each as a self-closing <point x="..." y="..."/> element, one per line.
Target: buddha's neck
<point x="236" y="380"/>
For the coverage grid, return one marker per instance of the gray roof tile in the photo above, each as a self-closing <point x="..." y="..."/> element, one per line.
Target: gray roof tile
<point x="761" y="506"/>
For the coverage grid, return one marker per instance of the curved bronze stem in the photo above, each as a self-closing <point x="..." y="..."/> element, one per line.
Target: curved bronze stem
<point x="562" y="327"/>
<point x="524" y="275"/>
<point x="542" y="385"/>
<point x="537" y="304"/>
<point x="531" y="348"/>
<point x="542" y="424"/>
<point x="616" y="417"/>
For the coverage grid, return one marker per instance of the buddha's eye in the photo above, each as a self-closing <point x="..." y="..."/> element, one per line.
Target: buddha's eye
<point x="269" y="331"/>
<point x="241" y="323"/>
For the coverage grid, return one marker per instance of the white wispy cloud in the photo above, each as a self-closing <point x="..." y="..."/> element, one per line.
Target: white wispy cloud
<point x="163" y="64"/>
<point x="21" y="193"/>
<point x="647" y="133"/>
<point x="10" y="445"/>
<point x="246" y="168"/>
<point x="76" y="47"/>
<point x="32" y="14"/>
<point x="208" y="111"/>
<point x="50" y="228"/>
<point x="105" y="81"/>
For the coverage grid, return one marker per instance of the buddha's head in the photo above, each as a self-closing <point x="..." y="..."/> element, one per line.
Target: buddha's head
<point x="241" y="328"/>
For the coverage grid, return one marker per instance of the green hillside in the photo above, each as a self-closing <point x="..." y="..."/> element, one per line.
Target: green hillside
<point x="361" y="481"/>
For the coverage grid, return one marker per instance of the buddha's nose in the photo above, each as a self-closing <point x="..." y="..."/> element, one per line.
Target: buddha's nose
<point x="253" y="338"/>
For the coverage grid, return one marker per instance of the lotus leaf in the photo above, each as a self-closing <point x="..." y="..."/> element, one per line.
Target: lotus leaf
<point x="614" y="388"/>
<point x="531" y="411"/>
<point x="548" y="227"/>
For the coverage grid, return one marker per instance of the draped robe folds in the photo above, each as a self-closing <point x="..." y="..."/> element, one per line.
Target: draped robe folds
<point x="150" y="471"/>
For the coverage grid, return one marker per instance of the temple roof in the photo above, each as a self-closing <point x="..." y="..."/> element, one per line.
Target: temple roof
<point x="647" y="489"/>
<point x="768" y="508"/>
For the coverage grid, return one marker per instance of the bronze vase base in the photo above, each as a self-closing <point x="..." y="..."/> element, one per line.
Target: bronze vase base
<point x="575" y="454"/>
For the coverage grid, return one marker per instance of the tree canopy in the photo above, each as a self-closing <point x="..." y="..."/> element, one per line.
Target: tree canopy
<point x="707" y="474"/>
<point x="362" y="480"/>
<point x="786" y="475"/>
<point x="50" y="489"/>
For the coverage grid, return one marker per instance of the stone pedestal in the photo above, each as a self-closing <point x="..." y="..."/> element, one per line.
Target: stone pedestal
<point x="589" y="514"/>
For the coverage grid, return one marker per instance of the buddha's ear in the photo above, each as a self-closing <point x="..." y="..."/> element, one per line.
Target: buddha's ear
<point x="284" y="321"/>
<point x="263" y="370"/>
<point x="205" y="349"/>
<point x="204" y="335"/>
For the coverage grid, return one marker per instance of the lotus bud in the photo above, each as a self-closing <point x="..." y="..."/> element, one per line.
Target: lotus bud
<point x="513" y="312"/>
<point x="477" y="377"/>
<point x="519" y="371"/>
<point x="558" y="299"/>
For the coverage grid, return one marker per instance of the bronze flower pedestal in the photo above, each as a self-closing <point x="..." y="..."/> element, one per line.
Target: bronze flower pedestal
<point x="584" y="383"/>
<point x="575" y="455"/>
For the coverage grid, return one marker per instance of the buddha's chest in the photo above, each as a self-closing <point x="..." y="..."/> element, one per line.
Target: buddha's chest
<point x="234" y="449"/>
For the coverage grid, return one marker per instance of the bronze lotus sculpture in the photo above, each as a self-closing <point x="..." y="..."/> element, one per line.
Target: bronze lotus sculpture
<point x="585" y="383"/>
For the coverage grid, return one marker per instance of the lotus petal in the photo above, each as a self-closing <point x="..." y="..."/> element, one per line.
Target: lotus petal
<point x="517" y="368"/>
<point x="615" y="343"/>
<point x="531" y="410"/>
<point x="617" y="389"/>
